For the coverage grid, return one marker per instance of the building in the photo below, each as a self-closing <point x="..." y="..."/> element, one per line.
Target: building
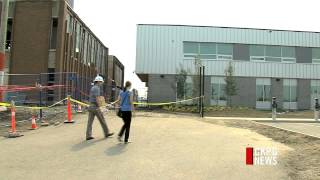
<point x="115" y="77"/>
<point x="48" y="37"/>
<point x="71" y="3"/>
<point x="266" y="63"/>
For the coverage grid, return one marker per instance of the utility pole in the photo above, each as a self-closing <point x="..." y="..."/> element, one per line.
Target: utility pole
<point x="3" y="39"/>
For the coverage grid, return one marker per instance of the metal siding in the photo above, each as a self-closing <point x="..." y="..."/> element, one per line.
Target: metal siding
<point x="156" y="53"/>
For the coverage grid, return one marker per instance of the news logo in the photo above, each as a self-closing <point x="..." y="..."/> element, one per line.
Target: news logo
<point x="261" y="156"/>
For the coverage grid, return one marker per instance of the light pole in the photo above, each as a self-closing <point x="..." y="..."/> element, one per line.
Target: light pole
<point x="3" y="36"/>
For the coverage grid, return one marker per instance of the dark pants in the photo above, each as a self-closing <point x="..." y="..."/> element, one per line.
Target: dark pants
<point x="95" y="111"/>
<point x="126" y="117"/>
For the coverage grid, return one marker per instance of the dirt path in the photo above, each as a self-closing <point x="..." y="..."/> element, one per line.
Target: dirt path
<point x="164" y="147"/>
<point x="303" y="161"/>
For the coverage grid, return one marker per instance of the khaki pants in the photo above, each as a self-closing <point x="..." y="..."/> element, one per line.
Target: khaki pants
<point x="95" y="111"/>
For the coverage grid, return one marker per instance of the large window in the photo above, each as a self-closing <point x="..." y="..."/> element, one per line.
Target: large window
<point x="315" y="87"/>
<point x="218" y="85"/>
<point x="263" y="90"/>
<point x="53" y="36"/>
<point x="69" y="23"/>
<point x="9" y="34"/>
<point x="78" y="37"/>
<point x="207" y="51"/>
<point x="272" y="53"/>
<point x="315" y="55"/>
<point x="290" y="90"/>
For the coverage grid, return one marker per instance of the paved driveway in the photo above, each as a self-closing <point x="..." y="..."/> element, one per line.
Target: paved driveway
<point x="164" y="147"/>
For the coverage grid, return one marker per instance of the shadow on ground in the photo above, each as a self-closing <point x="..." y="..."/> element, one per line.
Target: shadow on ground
<point x="85" y="144"/>
<point x="116" y="149"/>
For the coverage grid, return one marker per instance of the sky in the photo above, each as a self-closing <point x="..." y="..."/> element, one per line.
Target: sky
<point x="114" y="21"/>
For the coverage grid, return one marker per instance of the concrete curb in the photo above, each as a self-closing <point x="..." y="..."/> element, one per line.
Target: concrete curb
<point x="279" y="120"/>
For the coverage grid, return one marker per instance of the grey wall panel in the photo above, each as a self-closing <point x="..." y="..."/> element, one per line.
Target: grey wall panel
<point x="162" y="89"/>
<point x="246" y="92"/>
<point x="304" y="55"/>
<point x="304" y="96"/>
<point x="277" y="90"/>
<point x="241" y="52"/>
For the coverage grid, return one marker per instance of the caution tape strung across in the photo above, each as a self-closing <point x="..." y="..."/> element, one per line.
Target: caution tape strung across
<point x="79" y="102"/>
<point x="85" y="104"/>
<point x="168" y="103"/>
<point x="34" y="107"/>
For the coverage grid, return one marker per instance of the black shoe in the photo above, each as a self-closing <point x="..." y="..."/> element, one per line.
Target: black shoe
<point x="89" y="138"/>
<point x="127" y="142"/>
<point x="109" y="135"/>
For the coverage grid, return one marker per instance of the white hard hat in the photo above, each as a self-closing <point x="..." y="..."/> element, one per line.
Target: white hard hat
<point x="98" y="79"/>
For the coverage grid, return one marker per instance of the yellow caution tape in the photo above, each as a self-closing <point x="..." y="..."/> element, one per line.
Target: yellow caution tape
<point x="168" y="103"/>
<point x="5" y="104"/>
<point x="85" y="104"/>
<point x="79" y="102"/>
<point x="34" y="107"/>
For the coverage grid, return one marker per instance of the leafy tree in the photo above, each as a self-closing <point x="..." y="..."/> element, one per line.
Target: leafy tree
<point x="181" y="78"/>
<point x="231" y="85"/>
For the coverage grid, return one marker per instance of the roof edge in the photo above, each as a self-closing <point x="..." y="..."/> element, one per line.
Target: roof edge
<point x="262" y="29"/>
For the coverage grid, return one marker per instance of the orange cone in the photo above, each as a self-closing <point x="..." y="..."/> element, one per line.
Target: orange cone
<point x="69" y="120"/>
<point x="13" y="133"/>
<point x="33" y="123"/>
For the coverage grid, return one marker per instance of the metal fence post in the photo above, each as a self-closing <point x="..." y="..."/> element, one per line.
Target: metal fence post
<point x="316" y="109"/>
<point x="40" y="97"/>
<point x="274" y="108"/>
<point x="203" y="79"/>
<point x="200" y="91"/>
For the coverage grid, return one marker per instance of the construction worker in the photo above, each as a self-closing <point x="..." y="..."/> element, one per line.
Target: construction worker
<point x="97" y="103"/>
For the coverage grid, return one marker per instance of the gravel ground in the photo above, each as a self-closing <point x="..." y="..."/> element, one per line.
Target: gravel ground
<point x="53" y="116"/>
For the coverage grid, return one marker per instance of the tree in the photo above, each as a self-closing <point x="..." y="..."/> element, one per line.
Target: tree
<point x="181" y="78"/>
<point x="231" y="85"/>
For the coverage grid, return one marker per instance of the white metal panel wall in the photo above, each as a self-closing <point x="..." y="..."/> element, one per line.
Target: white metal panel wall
<point x="260" y="69"/>
<point x="160" y="50"/>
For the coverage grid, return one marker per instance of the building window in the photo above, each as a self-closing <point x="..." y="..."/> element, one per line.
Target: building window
<point x="224" y="51"/>
<point x="257" y="53"/>
<point x="77" y="36"/>
<point x="53" y="36"/>
<point x="69" y="20"/>
<point x="218" y="85"/>
<point x="263" y="90"/>
<point x="315" y="87"/>
<point x="288" y="54"/>
<point x="290" y="90"/>
<point x="315" y="55"/>
<point x="207" y="51"/>
<point x="272" y="53"/>
<point x="9" y="34"/>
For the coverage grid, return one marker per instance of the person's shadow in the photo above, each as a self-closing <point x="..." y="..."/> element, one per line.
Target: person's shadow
<point x="84" y="144"/>
<point x="116" y="149"/>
